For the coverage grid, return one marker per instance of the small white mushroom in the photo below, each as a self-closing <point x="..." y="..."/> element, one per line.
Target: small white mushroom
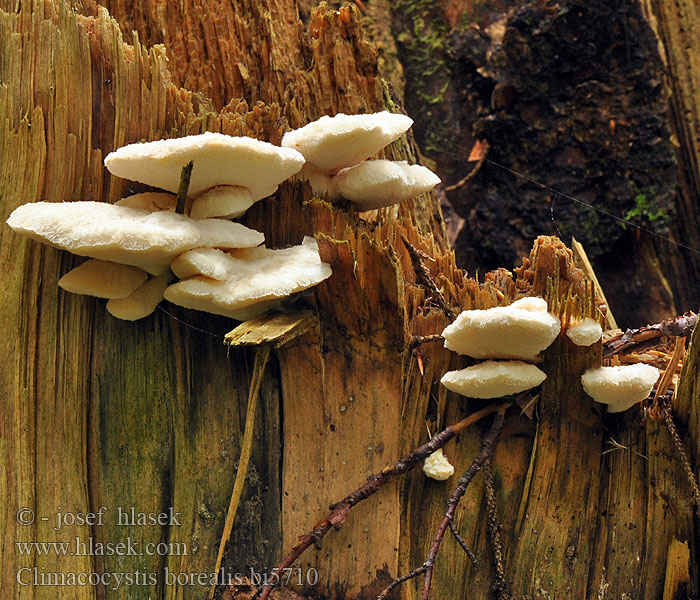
<point x="130" y="236"/>
<point x="332" y="143"/>
<point x="256" y="279"/>
<point x="436" y="466"/>
<point x="150" y="201"/>
<point x="493" y="379"/>
<point x="209" y="262"/>
<point x="103" y="279"/>
<point x="521" y="330"/>
<point x="585" y="333"/>
<point x="620" y="387"/>
<point x="222" y="201"/>
<point x="142" y="302"/>
<point x="377" y="183"/>
<point x="218" y="160"/>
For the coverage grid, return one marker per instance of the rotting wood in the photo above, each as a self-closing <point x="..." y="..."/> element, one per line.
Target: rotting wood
<point x="581" y="259"/>
<point x="677" y="570"/>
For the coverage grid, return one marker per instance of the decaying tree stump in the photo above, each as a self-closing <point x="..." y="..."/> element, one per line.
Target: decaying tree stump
<point x="149" y="415"/>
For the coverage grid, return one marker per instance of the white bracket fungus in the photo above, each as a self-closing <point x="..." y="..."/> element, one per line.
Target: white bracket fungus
<point x="620" y="387"/>
<point x="150" y="201"/>
<point x="436" y="466"/>
<point x="219" y="233"/>
<point x="493" y="379"/>
<point x="585" y="333"/>
<point x="377" y="183"/>
<point x="142" y="302"/>
<point x="332" y="143"/>
<point x="103" y="279"/>
<point x="209" y="262"/>
<point x="130" y="236"/>
<point x="256" y="279"/>
<point x="219" y="160"/>
<point x="521" y="330"/>
<point x="222" y="201"/>
<point x="335" y="148"/>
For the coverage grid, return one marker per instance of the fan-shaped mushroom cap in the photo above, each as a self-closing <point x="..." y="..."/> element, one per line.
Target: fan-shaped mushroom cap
<point x="493" y="379"/>
<point x="436" y="466"/>
<point x="150" y="201"/>
<point x="148" y="240"/>
<point x="142" y="302"/>
<point x="219" y="233"/>
<point x="222" y="201"/>
<point x="332" y="143"/>
<point x="103" y="279"/>
<point x="620" y="387"/>
<point x="209" y="262"/>
<point x="256" y="279"/>
<point x="585" y="333"/>
<point x="378" y="183"/>
<point x="521" y="330"/>
<point x="218" y="160"/>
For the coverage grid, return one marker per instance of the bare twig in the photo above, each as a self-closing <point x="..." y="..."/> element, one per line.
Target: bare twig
<point x="419" y="340"/>
<point x="340" y="510"/>
<point x="665" y="407"/>
<point x="426" y="568"/>
<point x="472" y="173"/>
<point x="677" y="326"/>
<point x="494" y="531"/>
<point x="426" y="279"/>
<point x="185" y="176"/>
<point x="461" y="542"/>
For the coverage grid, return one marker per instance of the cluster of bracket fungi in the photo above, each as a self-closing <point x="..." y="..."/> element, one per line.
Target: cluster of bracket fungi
<point x="139" y="243"/>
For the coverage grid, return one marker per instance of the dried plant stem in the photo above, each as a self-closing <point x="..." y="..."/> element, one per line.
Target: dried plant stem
<point x="487" y="448"/>
<point x="261" y="358"/>
<point x="341" y="509"/>
<point x="494" y="531"/>
<point x="185" y="176"/>
<point x="682" y="454"/>
<point x="426" y="279"/>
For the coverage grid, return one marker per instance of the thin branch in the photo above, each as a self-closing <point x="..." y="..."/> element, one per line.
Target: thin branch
<point x="487" y="447"/>
<point x="677" y="326"/>
<point x="472" y="173"/>
<point x="341" y="509"/>
<point x="419" y="340"/>
<point x="426" y="279"/>
<point x="461" y="542"/>
<point x="185" y="176"/>
<point x="494" y="531"/>
<point x="399" y="580"/>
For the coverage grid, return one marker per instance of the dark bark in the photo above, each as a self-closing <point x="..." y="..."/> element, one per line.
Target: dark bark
<point x="570" y="95"/>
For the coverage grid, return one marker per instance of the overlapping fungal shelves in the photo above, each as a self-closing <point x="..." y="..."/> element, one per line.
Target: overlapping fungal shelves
<point x="98" y="412"/>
